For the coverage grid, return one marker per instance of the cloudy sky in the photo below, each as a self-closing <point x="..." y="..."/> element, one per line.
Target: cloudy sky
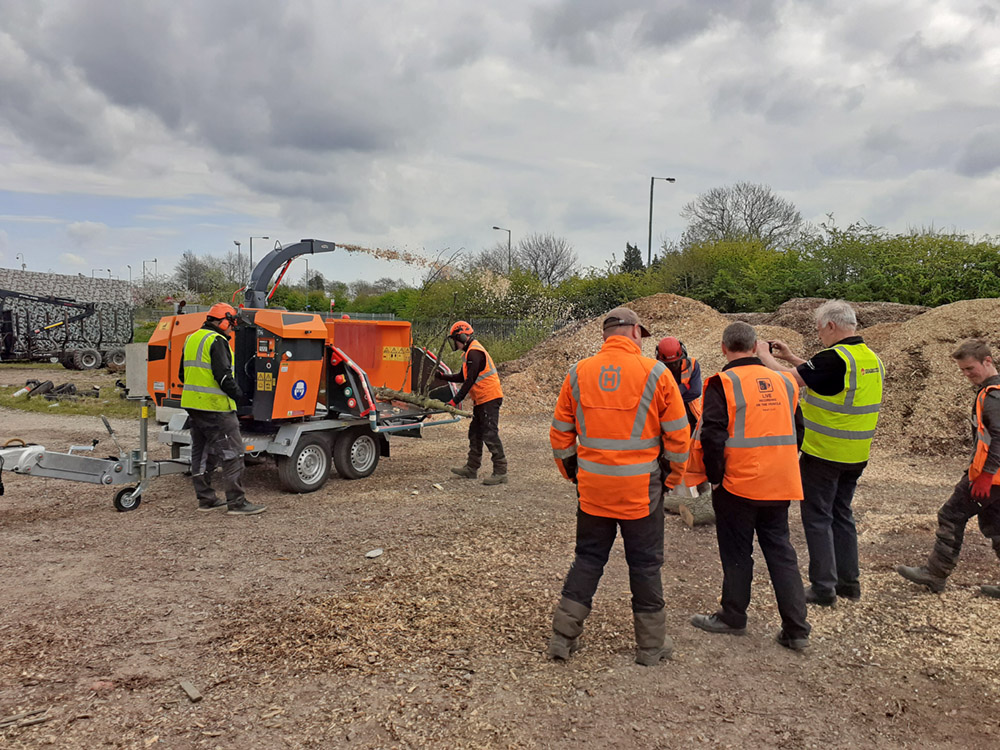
<point x="138" y="130"/>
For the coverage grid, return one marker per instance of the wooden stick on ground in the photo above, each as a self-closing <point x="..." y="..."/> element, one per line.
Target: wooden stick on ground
<point x="424" y="402"/>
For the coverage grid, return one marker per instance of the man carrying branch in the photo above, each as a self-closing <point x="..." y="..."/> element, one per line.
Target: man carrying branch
<point x="481" y="382"/>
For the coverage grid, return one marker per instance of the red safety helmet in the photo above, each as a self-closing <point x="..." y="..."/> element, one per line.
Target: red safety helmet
<point x="460" y="334"/>
<point x="223" y="312"/>
<point x="670" y="349"/>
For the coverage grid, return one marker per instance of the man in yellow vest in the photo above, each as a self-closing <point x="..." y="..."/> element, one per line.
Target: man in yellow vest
<point x="481" y="382"/>
<point x="209" y="396"/>
<point x="840" y="409"/>
<point x="750" y="431"/>
<point x="977" y="493"/>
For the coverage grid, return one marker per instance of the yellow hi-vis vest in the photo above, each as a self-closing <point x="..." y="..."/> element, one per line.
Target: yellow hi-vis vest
<point x="840" y="428"/>
<point x="200" y="389"/>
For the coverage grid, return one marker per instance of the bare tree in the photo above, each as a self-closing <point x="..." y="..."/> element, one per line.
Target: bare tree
<point x="742" y="210"/>
<point x="497" y="258"/>
<point x="549" y="258"/>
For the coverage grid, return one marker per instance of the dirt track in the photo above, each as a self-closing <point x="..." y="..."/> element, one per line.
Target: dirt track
<point x="296" y="639"/>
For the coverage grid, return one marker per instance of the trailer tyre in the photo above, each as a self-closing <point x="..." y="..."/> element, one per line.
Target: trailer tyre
<point x="115" y="360"/>
<point x="308" y="468"/>
<point x="124" y="502"/>
<point x="86" y="359"/>
<point x="356" y="453"/>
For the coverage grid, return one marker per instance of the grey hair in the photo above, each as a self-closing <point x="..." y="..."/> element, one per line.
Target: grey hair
<point x="739" y="337"/>
<point x="838" y="312"/>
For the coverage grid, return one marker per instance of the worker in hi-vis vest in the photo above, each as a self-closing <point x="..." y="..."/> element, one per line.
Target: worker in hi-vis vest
<point x="481" y="383"/>
<point x="209" y="397"/>
<point x="978" y="491"/>
<point x="749" y="437"/>
<point x="840" y="408"/>
<point x="620" y="433"/>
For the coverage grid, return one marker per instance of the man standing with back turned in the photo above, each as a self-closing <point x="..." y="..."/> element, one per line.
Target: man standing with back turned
<point x="619" y="427"/>
<point x="209" y="396"/>
<point x="841" y="408"/>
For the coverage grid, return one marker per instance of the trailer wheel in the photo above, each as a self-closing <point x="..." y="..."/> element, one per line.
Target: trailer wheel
<point x="87" y="359"/>
<point x="123" y="501"/>
<point x="115" y="360"/>
<point x="356" y="453"/>
<point x="308" y="468"/>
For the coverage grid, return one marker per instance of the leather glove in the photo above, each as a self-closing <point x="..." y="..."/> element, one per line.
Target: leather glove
<point x="981" y="487"/>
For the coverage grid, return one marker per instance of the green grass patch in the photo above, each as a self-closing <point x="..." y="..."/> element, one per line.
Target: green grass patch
<point x="108" y="403"/>
<point x="143" y="331"/>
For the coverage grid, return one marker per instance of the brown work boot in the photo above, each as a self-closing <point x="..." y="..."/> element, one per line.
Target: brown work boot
<point x="991" y="591"/>
<point x="567" y="624"/>
<point x="922" y="576"/>
<point x="651" y="639"/>
<point x="495" y="479"/>
<point x="466" y="472"/>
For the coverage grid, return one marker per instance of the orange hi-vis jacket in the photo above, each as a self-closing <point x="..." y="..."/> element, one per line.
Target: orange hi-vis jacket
<point x="694" y="469"/>
<point x="487" y="385"/>
<point x="761" y="454"/>
<point x="687" y="370"/>
<point x="620" y="414"/>
<point x="983" y="438"/>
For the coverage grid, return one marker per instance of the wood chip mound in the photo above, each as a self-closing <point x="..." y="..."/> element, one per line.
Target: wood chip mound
<point x="531" y="384"/>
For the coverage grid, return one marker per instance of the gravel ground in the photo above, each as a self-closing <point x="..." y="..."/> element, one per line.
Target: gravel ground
<point x="295" y="638"/>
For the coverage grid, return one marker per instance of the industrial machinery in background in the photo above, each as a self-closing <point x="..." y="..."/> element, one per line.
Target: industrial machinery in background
<point x="310" y="394"/>
<point x="80" y="335"/>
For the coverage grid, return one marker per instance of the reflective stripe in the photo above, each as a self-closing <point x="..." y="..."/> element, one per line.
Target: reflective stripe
<point x="675" y="425"/>
<point x="563" y="426"/>
<point x="628" y="470"/>
<point x="205" y="389"/>
<point x="852" y="382"/>
<point x="642" y="411"/>
<point x="564" y="452"/>
<point x="844" y="434"/>
<point x="841" y="408"/>
<point x="574" y="384"/>
<point x="616" y="444"/>
<point x="196" y="363"/>
<point x="486" y="374"/>
<point x="757" y="442"/>
<point x="675" y="457"/>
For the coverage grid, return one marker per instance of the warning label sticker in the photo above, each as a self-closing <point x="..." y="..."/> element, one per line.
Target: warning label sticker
<point x="396" y="353"/>
<point x="265" y="381"/>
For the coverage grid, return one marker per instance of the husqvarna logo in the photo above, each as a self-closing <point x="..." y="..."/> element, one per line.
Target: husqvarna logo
<point x="611" y="378"/>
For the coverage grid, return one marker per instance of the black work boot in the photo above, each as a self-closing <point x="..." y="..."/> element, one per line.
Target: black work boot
<point x="651" y="639"/>
<point x="567" y="624"/>
<point x="713" y="624"/>
<point x="467" y="472"/>
<point x="495" y="479"/>
<point x="991" y="591"/>
<point x="823" y="601"/>
<point x="922" y="576"/>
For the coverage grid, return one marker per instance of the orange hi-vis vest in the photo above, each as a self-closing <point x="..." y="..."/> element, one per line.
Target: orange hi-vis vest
<point x="487" y="385"/>
<point x="983" y="438"/>
<point x="761" y="454"/>
<point x="621" y="415"/>
<point x="694" y="469"/>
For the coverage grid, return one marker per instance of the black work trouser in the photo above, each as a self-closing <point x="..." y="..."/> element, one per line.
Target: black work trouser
<point x="643" y="538"/>
<point x="736" y="521"/>
<point x="952" y="519"/>
<point x="828" y="522"/>
<point x="216" y="443"/>
<point x="485" y="428"/>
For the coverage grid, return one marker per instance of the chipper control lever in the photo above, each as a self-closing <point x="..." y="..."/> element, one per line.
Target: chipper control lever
<point x="107" y="426"/>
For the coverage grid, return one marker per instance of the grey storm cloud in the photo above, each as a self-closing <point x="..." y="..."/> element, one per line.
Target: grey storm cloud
<point x="981" y="153"/>
<point x="583" y="29"/>
<point x="243" y="77"/>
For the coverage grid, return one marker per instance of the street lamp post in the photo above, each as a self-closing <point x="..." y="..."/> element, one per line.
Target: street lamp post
<point x="649" y="245"/>
<point x="501" y="229"/>
<point x="129" y="275"/>
<point x="21" y="256"/>
<point x="252" y="238"/>
<point x="239" y="261"/>
<point x="153" y="261"/>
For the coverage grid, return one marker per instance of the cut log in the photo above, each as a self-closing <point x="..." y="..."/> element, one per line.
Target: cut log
<point x="424" y="402"/>
<point x="697" y="511"/>
<point x="672" y="500"/>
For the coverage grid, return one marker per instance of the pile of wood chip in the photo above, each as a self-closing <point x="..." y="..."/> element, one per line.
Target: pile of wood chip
<point x="532" y="383"/>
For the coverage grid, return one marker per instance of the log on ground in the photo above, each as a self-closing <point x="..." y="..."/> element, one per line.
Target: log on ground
<point x="697" y="511"/>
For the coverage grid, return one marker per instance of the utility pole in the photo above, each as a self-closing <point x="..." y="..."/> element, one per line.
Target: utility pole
<point x="649" y="244"/>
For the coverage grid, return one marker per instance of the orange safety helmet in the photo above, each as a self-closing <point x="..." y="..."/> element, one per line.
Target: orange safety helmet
<point x="460" y="334"/>
<point x="223" y="312"/>
<point x="670" y="349"/>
